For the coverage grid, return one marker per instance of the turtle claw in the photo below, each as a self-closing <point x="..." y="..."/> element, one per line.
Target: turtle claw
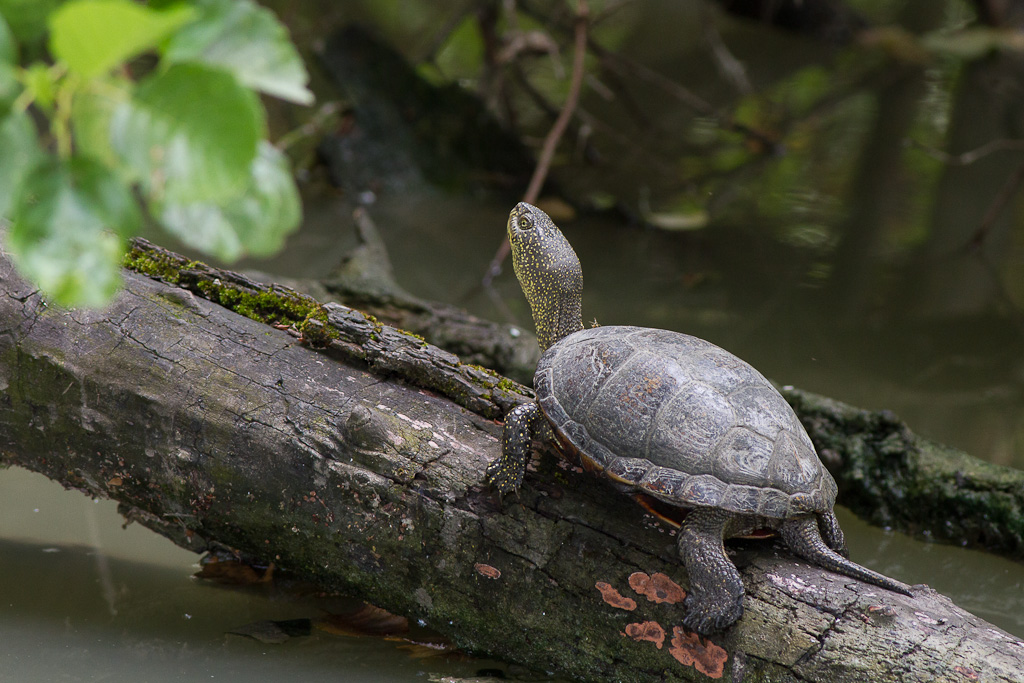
<point x="706" y="617"/>
<point x="504" y="476"/>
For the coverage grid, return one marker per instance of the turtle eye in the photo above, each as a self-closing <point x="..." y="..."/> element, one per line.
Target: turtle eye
<point x="525" y="222"/>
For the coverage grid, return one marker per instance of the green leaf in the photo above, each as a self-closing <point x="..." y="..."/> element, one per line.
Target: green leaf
<point x="8" y="46"/>
<point x="189" y="134"/>
<point x="69" y="229"/>
<point x="91" y="113"/>
<point x="271" y="209"/>
<point x="10" y="88"/>
<point x="247" y="40"/>
<point x="204" y="227"/>
<point x="20" y="152"/>
<point x="94" y="36"/>
<point x="39" y="81"/>
<point x="255" y="223"/>
<point x="27" y="18"/>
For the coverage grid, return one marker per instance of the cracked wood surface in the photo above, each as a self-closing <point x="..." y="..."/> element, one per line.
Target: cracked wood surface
<point x="211" y="428"/>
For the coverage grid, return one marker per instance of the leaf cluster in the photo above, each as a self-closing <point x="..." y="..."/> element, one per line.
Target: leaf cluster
<point x="139" y="111"/>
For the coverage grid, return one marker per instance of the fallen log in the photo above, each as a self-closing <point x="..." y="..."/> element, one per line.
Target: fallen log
<point x="218" y="430"/>
<point x="886" y="474"/>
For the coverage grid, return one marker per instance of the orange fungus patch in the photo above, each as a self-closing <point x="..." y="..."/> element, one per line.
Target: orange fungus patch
<point x="647" y="630"/>
<point x="656" y="587"/>
<point x="690" y="649"/>
<point x="614" y="598"/>
<point x="487" y="570"/>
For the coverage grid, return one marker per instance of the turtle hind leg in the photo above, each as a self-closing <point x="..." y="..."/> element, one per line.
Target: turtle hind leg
<point x="804" y="539"/>
<point x="522" y="425"/>
<point x="828" y="525"/>
<point x="715" y="600"/>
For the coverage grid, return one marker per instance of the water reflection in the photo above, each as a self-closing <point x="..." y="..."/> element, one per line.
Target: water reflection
<point x="124" y="607"/>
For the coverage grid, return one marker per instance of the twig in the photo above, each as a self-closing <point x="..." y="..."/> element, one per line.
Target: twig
<point x="580" y="114"/>
<point x="728" y="65"/>
<point x="444" y="33"/>
<point x="622" y="66"/>
<point x="977" y="241"/>
<point x="1002" y="198"/>
<point x="968" y="158"/>
<point x="547" y="152"/>
<point x="616" y="63"/>
<point x="313" y="127"/>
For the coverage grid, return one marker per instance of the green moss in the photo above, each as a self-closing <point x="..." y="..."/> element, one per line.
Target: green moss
<point x="420" y="338"/>
<point x="155" y="265"/>
<point x="271" y="307"/>
<point x="507" y="385"/>
<point x="281" y="307"/>
<point x="486" y="371"/>
<point x="378" y="327"/>
<point x="266" y="306"/>
<point x="896" y="479"/>
<point x="315" y="329"/>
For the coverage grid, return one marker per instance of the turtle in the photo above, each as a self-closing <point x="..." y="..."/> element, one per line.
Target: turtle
<point x="671" y="418"/>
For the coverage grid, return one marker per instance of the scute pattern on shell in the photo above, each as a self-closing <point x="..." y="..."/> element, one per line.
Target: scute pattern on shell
<point x="683" y="420"/>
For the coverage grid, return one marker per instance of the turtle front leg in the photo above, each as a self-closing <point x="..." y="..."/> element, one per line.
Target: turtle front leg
<point x="524" y="424"/>
<point x="715" y="600"/>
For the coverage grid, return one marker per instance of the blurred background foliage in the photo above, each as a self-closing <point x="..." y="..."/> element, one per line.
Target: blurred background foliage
<point x="853" y="131"/>
<point x="831" y="181"/>
<point x="111" y="111"/>
<point x="832" y="184"/>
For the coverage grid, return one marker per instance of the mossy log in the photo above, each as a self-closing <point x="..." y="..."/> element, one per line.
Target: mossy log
<point x="894" y="478"/>
<point x="337" y="464"/>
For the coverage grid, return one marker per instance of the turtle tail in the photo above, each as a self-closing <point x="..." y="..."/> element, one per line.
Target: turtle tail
<point x="803" y="538"/>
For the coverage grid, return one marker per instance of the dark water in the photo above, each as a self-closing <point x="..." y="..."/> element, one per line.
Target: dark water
<point x="84" y="599"/>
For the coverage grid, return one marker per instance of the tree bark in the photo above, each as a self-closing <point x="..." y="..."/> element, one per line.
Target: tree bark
<point x="216" y="429"/>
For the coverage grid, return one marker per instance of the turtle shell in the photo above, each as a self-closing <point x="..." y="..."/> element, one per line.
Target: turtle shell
<point x="682" y="420"/>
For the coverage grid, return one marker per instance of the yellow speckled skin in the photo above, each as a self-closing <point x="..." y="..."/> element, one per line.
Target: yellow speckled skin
<point x="552" y="280"/>
<point x="549" y="272"/>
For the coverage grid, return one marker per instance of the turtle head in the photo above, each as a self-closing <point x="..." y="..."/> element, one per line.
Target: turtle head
<point x="548" y="271"/>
